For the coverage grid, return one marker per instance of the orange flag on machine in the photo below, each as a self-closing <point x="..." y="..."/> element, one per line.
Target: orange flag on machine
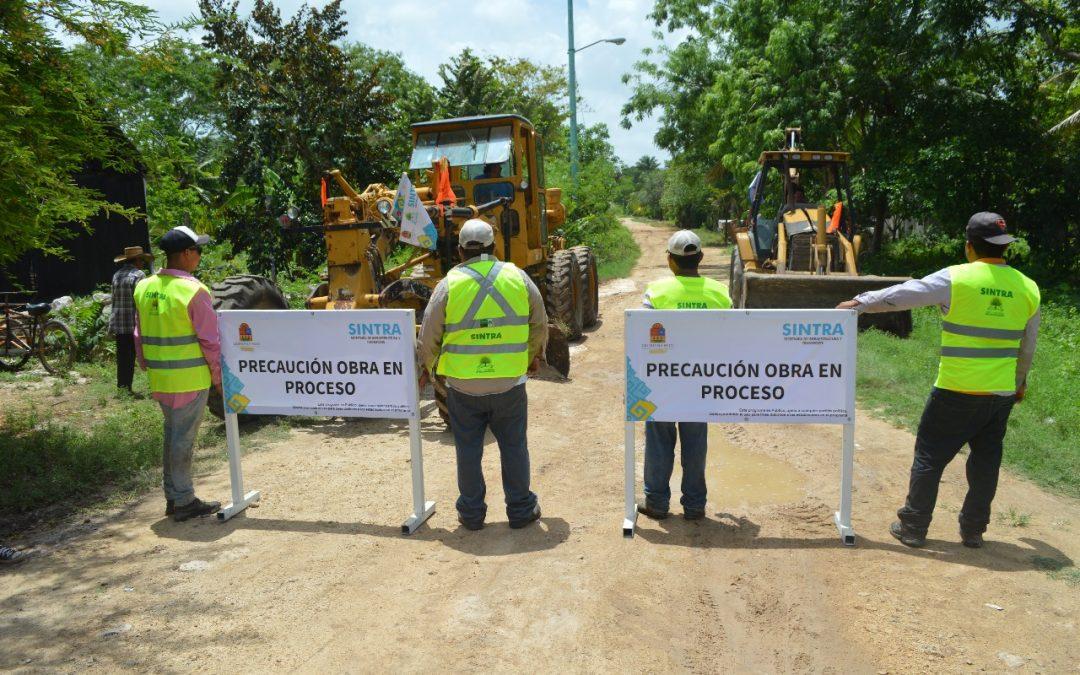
<point x="835" y="224"/>
<point x="444" y="193"/>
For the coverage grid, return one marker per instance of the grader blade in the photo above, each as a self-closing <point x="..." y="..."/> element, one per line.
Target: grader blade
<point x="558" y="351"/>
<point x="811" y="291"/>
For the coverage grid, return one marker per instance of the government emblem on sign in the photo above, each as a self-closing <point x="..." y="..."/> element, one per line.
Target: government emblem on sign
<point x="657" y="334"/>
<point x="245" y="333"/>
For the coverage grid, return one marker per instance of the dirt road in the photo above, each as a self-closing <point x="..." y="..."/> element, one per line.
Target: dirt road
<point x="319" y="578"/>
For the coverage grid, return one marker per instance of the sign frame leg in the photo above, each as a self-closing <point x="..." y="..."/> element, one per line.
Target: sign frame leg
<point x="842" y="518"/>
<point x="240" y="501"/>
<point x="422" y="510"/>
<point x="630" y="515"/>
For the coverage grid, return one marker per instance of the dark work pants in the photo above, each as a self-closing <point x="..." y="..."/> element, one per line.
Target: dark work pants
<point x="507" y="415"/>
<point x="660" y="462"/>
<point x="125" y="360"/>
<point x="950" y="420"/>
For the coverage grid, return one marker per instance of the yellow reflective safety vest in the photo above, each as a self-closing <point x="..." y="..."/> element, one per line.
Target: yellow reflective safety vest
<point x="688" y="293"/>
<point x="487" y="322"/>
<point x="174" y="359"/>
<point x="989" y="307"/>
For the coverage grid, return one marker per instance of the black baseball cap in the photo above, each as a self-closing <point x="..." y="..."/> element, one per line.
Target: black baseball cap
<point x="182" y="238"/>
<point x="990" y="227"/>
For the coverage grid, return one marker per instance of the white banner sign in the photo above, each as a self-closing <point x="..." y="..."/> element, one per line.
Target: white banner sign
<point x="416" y="226"/>
<point x="772" y="365"/>
<point x="350" y="363"/>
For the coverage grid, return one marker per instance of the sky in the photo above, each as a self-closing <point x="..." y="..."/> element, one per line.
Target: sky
<point x="429" y="32"/>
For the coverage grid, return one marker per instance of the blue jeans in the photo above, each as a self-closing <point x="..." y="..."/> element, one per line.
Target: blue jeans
<point x="950" y="420"/>
<point x="660" y="461"/>
<point x="181" y="426"/>
<point x="506" y="414"/>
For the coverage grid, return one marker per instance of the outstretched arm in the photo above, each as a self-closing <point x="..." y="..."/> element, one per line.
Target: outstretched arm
<point x="930" y="290"/>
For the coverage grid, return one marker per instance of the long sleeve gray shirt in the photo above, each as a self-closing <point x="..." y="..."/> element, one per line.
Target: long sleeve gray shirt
<point x="936" y="289"/>
<point x="431" y="334"/>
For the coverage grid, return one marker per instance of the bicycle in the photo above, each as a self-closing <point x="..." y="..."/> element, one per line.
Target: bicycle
<point x="26" y="330"/>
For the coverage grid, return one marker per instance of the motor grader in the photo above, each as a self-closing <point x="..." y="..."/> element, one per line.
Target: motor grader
<point x="805" y="256"/>
<point x="496" y="172"/>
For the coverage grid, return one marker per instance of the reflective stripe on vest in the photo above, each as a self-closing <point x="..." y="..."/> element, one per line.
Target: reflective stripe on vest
<point x="174" y="358"/>
<point x="688" y="293"/>
<point x="989" y="307"/>
<point x="487" y="322"/>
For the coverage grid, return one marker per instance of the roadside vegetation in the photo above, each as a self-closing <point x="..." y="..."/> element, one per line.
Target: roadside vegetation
<point x="77" y="443"/>
<point x="1043" y="441"/>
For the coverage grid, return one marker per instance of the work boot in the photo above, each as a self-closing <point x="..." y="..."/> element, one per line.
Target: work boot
<point x="470" y="525"/>
<point x="907" y="536"/>
<point x="196" y="508"/>
<point x="971" y="539"/>
<point x="693" y="514"/>
<point x="531" y="518"/>
<point x="655" y="514"/>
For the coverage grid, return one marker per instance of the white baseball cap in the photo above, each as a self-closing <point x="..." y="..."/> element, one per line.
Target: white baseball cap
<point x="684" y="242"/>
<point x="476" y="233"/>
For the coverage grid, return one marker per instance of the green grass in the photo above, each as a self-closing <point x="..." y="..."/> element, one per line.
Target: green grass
<point x="1043" y="441"/>
<point x="70" y="446"/>
<point x="1061" y="570"/>
<point x="615" y="249"/>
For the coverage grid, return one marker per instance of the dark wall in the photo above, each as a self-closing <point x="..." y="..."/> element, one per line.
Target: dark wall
<point x="91" y="254"/>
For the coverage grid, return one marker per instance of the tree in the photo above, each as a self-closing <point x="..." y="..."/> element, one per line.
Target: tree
<point x="646" y="163"/>
<point x="294" y="106"/>
<point x="161" y="97"/>
<point x="940" y="103"/>
<point x="473" y="86"/>
<point x="411" y="97"/>
<point x="51" y="127"/>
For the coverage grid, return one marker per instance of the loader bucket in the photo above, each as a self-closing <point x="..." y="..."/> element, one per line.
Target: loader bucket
<point x="808" y="291"/>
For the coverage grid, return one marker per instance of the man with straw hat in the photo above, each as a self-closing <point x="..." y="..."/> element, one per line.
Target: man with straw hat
<point x="122" y="320"/>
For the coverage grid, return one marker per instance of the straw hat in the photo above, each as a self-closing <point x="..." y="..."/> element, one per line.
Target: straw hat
<point x="133" y="253"/>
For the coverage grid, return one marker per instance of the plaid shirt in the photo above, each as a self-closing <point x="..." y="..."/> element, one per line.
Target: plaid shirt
<point x="122" y="319"/>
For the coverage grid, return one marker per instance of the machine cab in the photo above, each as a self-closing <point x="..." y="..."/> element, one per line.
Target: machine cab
<point x="490" y="157"/>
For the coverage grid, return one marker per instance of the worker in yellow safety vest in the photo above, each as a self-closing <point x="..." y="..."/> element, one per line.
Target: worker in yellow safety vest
<point x="989" y="327"/>
<point x="484" y="330"/>
<point x="178" y="345"/>
<point x="686" y="290"/>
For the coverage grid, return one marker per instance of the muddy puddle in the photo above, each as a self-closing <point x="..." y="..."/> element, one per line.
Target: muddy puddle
<point x="737" y="476"/>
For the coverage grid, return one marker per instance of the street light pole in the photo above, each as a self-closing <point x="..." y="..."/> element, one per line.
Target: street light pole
<point x="573" y="93"/>
<point x="570" y="51"/>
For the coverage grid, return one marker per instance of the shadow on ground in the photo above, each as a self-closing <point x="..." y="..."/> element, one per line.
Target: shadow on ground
<point x="496" y="539"/>
<point x="738" y="532"/>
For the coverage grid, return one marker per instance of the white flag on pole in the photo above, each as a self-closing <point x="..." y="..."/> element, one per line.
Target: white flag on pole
<point x="416" y="226"/>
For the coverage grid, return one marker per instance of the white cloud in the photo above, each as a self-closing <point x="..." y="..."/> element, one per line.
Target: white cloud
<point x="429" y="32"/>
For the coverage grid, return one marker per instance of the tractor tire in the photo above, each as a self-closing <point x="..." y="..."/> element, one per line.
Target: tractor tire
<point x="438" y="386"/>
<point x="590" y="286"/>
<point x="247" y="291"/>
<point x="735" y="279"/>
<point x="563" y="296"/>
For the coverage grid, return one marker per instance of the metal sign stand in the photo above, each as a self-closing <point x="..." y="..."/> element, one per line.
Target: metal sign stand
<point x="422" y="510"/>
<point x="842" y="518"/>
<point x="240" y="501"/>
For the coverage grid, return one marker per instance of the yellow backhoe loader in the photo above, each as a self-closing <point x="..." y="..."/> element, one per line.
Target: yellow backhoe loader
<point x="807" y="255"/>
